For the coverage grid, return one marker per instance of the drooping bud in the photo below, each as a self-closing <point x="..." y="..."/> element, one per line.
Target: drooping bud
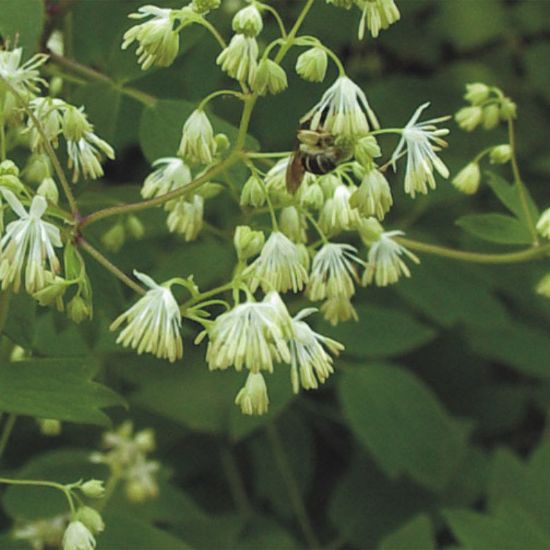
<point x="312" y="64"/>
<point x="491" y="116"/>
<point x="366" y="150"/>
<point x="197" y="140"/>
<point x="248" y="242"/>
<point x="91" y="519"/>
<point x="253" y="193"/>
<point x="253" y="398"/>
<point x="93" y="488"/>
<point x="48" y="189"/>
<point x="468" y="179"/>
<point x="248" y="21"/>
<point x="270" y="78"/>
<point x="115" y="237"/>
<point x="79" y="310"/>
<point x="135" y="227"/>
<point x="477" y="93"/>
<point x="468" y="118"/>
<point x="501" y="154"/>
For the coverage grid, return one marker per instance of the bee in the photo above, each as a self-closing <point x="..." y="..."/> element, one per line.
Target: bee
<point x="317" y="152"/>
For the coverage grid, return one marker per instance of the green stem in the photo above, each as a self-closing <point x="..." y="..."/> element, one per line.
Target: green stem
<point x="277" y="17"/>
<point x="316" y="225"/>
<point x="208" y="26"/>
<point x="294" y="494"/>
<point x="235" y="481"/>
<point x="218" y="93"/>
<point x="476" y="257"/>
<point x="40" y="483"/>
<point x="48" y="146"/>
<point x="5" y="298"/>
<point x="207" y="294"/>
<point x="101" y="259"/>
<point x="253" y="155"/>
<point x="522" y="191"/>
<point x="6" y="432"/>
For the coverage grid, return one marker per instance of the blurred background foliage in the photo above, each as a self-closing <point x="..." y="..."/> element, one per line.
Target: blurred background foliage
<point x="433" y="431"/>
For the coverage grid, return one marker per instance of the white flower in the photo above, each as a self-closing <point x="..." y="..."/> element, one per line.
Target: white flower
<point x="309" y="360"/>
<point x="197" y="140"/>
<point x="343" y="111"/>
<point x="253" y="335"/>
<point x="337" y="213"/>
<point x="78" y="537"/>
<point x="543" y="224"/>
<point x="141" y="482"/>
<point x="48" y="111"/>
<point x="84" y="156"/>
<point x="24" y="78"/>
<point x="171" y="174"/>
<point x="421" y="141"/>
<point x="333" y="272"/>
<point x="240" y="59"/>
<point x="338" y="309"/>
<point x="385" y="264"/>
<point x="28" y="239"/>
<point x="279" y="266"/>
<point x="373" y="197"/>
<point x="252" y="397"/>
<point x="154" y="322"/>
<point x="158" y="42"/>
<point x="186" y="217"/>
<point x="377" y="14"/>
<point x="42" y="533"/>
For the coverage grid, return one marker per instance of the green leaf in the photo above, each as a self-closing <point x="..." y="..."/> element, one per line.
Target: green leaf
<point x="161" y="125"/>
<point x="55" y="388"/>
<point x="509" y="197"/>
<point x="496" y="228"/>
<point x="380" y="332"/>
<point x="416" y="533"/>
<point x="519" y="346"/>
<point x="20" y="324"/>
<point x="21" y="22"/>
<point x="403" y="425"/>
<point x="509" y="528"/>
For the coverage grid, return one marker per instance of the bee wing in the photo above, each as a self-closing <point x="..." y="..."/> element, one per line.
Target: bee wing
<point x="294" y="173"/>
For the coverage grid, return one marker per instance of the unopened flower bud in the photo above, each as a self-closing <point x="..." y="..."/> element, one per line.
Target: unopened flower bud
<point x="114" y="238"/>
<point x="477" y="93"/>
<point x="508" y="109"/>
<point x="222" y="142"/>
<point x="253" y="398"/>
<point x="366" y="150"/>
<point x="145" y="440"/>
<point x="135" y="227"/>
<point x="312" y="197"/>
<point x="369" y="230"/>
<point x="91" y="519"/>
<point x="253" y="193"/>
<point x="248" y="21"/>
<point x="468" y="118"/>
<point x="543" y="286"/>
<point x="248" y="242"/>
<point x="48" y="189"/>
<point x="197" y="139"/>
<point x="468" y="179"/>
<point x="77" y="536"/>
<point x="8" y="167"/>
<point x="204" y="6"/>
<point x="49" y="426"/>
<point x="79" y="310"/>
<point x="38" y="168"/>
<point x="543" y="225"/>
<point x="312" y="64"/>
<point x="240" y="59"/>
<point x="75" y="124"/>
<point x="292" y="224"/>
<point x="93" y="488"/>
<point x="72" y="262"/>
<point x="11" y="182"/>
<point x="270" y="78"/>
<point x="52" y="292"/>
<point x="346" y="4"/>
<point x="501" y="154"/>
<point x="491" y="116"/>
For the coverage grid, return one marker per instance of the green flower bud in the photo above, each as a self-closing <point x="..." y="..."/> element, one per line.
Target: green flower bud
<point x="253" y="193"/>
<point x="209" y="190"/>
<point x="48" y="189"/>
<point x="468" y="118"/>
<point x="346" y="4"/>
<point x="543" y="225"/>
<point x="328" y="184"/>
<point x="93" y="488"/>
<point x="75" y="124"/>
<point x="543" y="286"/>
<point x="222" y="142"/>
<point x="491" y="116"/>
<point x="292" y="224"/>
<point x="477" y="93"/>
<point x="248" y="21"/>
<point x="145" y="440"/>
<point x="38" y="168"/>
<point x="8" y="167"/>
<point x="312" y="197"/>
<point x="114" y="238"/>
<point x="501" y="154"/>
<point x="72" y="262"/>
<point x="11" y="182"/>
<point x="508" y="109"/>
<point x="468" y="179"/>
<point x="312" y="64"/>
<point x="52" y="292"/>
<point x="247" y="242"/>
<point x="366" y="150"/>
<point x="369" y="230"/>
<point x="204" y="6"/>
<point x="270" y="78"/>
<point x="49" y="426"/>
<point x="253" y="398"/>
<point x="79" y="310"/>
<point x="135" y="227"/>
<point x="91" y="519"/>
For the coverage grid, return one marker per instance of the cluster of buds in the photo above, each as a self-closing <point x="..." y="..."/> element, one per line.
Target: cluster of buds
<point x="488" y="106"/>
<point x="126" y="456"/>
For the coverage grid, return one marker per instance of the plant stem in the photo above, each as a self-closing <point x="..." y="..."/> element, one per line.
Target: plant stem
<point x="476" y="257"/>
<point x="5" y="298"/>
<point x="6" y="432"/>
<point x="522" y="191"/>
<point x="218" y="93"/>
<point x="235" y="481"/>
<point x="277" y="17"/>
<point x="209" y="27"/>
<point x="101" y="259"/>
<point x="48" y="146"/>
<point x="292" y="487"/>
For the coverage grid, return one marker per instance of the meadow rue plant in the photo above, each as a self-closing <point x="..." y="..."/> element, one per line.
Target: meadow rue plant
<point x="299" y="225"/>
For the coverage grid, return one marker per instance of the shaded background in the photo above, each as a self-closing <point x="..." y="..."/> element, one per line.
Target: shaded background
<point x="432" y="432"/>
